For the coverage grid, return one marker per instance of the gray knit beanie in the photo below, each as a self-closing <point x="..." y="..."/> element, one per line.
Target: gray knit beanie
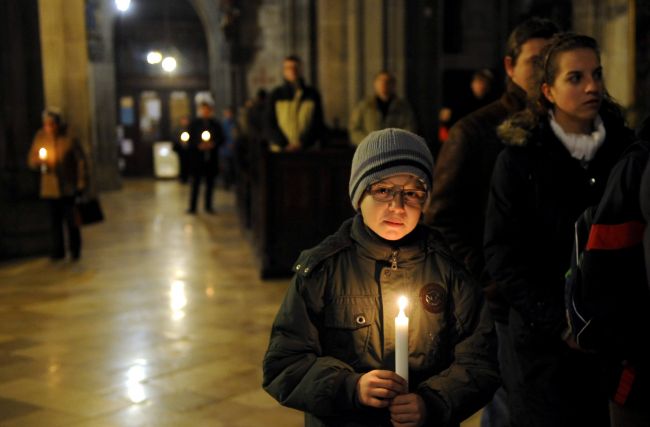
<point x="385" y="153"/>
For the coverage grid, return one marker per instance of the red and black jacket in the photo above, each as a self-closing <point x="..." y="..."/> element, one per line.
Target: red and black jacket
<point x="614" y="279"/>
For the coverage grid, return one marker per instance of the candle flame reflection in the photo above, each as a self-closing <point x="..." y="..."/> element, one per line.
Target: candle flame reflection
<point x="177" y="299"/>
<point x="134" y="377"/>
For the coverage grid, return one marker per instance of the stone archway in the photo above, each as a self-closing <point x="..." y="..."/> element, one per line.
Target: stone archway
<point x="219" y="68"/>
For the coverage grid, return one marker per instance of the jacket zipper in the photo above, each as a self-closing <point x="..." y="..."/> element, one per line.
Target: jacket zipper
<point x="393" y="260"/>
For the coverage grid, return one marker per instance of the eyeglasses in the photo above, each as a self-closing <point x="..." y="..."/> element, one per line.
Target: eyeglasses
<point x="384" y="193"/>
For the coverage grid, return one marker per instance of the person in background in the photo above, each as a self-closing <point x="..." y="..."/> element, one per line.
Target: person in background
<point x="62" y="166"/>
<point x="227" y="150"/>
<point x="255" y="116"/>
<point x="479" y="95"/>
<point x="206" y="137"/>
<point x="384" y="109"/>
<point x="462" y="182"/>
<point x="332" y="347"/>
<point x="295" y="113"/>
<point x="560" y="151"/>
<point x="617" y="317"/>
<point x="181" y="142"/>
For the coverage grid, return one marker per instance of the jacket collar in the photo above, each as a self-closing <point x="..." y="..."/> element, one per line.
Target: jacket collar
<point x="299" y="84"/>
<point x="514" y="98"/>
<point x="412" y="248"/>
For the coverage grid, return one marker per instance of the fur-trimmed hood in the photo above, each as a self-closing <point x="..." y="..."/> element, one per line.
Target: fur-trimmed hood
<point x="518" y="130"/>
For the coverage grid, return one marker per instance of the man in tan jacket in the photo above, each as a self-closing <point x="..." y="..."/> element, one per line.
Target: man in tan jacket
<point x="381" y="110"/>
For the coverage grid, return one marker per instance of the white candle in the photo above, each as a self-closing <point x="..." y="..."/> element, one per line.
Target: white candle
<point x="42" y="155"/>
<point x="402" y="341"/>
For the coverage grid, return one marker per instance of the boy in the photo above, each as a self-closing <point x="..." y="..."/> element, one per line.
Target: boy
<point x="332" y="349"/>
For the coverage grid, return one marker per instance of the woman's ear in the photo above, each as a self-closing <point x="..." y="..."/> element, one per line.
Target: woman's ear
<point x="548" y="93"/>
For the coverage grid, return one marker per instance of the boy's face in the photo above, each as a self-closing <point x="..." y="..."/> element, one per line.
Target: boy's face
<point x="394" y="219"/>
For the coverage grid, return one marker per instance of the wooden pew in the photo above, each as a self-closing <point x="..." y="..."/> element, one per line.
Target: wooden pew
<point x="297" y="199"/>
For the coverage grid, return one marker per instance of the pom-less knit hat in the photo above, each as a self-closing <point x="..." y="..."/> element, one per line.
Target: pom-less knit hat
<point x="385" y="153"/>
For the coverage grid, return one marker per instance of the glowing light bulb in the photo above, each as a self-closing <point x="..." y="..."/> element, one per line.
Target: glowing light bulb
<point x="42" y="154"/>
<point x="185" y="136"/>
<point x="154" y="57"/>
<point x="122" y="5"/>
<point x="169" y="64"/>
<point x="205" y="135"/>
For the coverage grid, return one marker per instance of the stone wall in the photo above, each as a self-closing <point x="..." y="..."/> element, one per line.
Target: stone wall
<point x="612" y="24"/>
<point x="356" y="40"/>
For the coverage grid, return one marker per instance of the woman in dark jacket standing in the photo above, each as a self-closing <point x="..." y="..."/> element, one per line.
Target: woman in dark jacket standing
<point x="63" y="176"/>
<point x="560" y="152"/>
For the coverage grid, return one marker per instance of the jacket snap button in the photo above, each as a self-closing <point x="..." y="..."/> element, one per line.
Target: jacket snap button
<point x="361" y="320"/>
<point x="306" y="269"/>
<point x="592" y="181"/>
<point x="298" y="267"/>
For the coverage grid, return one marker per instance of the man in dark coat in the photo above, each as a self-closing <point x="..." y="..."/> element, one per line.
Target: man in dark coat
<point x="465" y="163"/>
<point x="295" y="113"/>
<point x="206" y="136"/>
<point x="462" y="175"/>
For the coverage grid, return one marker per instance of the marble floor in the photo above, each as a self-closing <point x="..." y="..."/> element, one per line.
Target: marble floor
<point x="163" y="322"/>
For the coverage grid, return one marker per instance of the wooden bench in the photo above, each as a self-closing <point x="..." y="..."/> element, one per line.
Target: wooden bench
<point x="296" y="200"/>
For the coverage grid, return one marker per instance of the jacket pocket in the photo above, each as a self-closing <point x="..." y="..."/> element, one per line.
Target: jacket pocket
<point x="348" y="322"/>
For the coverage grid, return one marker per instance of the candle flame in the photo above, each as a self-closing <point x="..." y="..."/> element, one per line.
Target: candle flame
<point x="402" y="302"/>
<point x="42" y="154"/>
<point x="205" y="135"/>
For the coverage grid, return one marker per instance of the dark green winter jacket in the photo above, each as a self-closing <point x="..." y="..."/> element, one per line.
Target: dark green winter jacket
<point x="337" y="322"/>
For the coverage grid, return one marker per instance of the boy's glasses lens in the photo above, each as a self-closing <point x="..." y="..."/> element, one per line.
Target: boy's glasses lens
<point x="387" y="194"/>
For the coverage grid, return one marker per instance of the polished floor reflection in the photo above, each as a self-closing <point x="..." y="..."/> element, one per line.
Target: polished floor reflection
<point x="163" y="322"/>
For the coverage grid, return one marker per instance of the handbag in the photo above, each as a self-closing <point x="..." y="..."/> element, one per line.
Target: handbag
<point x="90" y="211"/>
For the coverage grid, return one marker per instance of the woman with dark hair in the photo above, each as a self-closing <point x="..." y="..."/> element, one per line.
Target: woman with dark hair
<point x="63" y="176"/>
<point x="559" y="153"/>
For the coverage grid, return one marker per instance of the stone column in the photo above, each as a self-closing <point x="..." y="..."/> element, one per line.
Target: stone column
<point x="101" y="17"/>
<point x="613" y="24"/>
<point x="356" y="78"/>
<point x="333" y="61"/>
<point x="65" y="64"/>
<point x="396" y="47"/>
<point x="221" y="81"/>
